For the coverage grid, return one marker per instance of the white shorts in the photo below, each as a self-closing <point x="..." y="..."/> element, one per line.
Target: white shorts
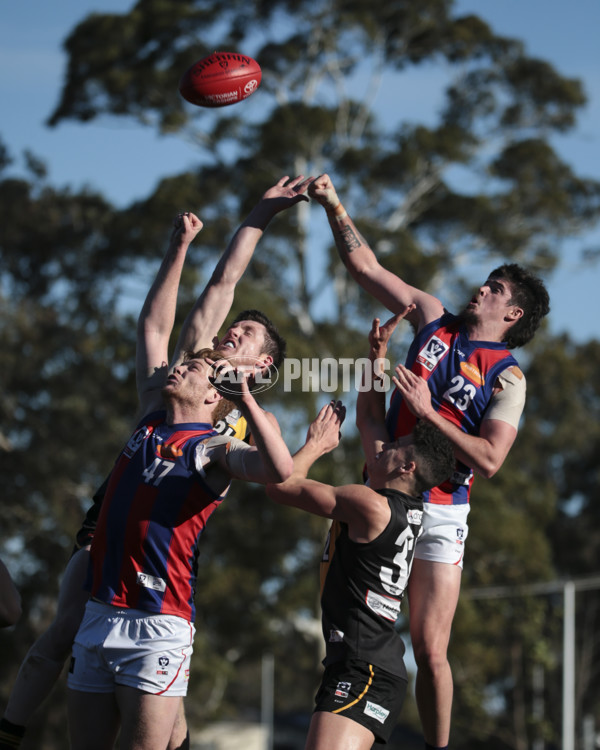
<point x="116" y="646"/>
<point x="445" y="531"/>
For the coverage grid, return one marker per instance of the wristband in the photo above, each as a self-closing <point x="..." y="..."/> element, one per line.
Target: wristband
<point x="339" y="211"/>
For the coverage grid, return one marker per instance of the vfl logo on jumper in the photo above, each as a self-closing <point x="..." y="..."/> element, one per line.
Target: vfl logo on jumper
<point x="136" y="440"/>
<point x="433" y="351"/>
<point x="150" y="582"/>
<point x="376" y="712"/>
<point x="343" y="689"/>
<point x="383" y="606"/>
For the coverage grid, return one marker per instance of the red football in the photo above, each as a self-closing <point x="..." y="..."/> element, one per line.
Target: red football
<point x="220" y="79"/>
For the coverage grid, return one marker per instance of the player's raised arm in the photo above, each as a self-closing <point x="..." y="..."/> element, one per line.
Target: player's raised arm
<point x="157" y="317"/>
<point x="268" y="459"/>
<point x="371" y="401"/>
<point x="361" y="262"/>
<point x="323" y="436"/>
<point x="354" y="504"/>
<point x="214" y="303"/>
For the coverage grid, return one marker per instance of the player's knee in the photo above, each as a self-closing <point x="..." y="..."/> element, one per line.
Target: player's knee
<point x="431" y="657"/>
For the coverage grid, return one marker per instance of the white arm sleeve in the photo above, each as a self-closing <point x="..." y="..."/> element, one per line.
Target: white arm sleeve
<point x="508" y="403"/>
<point x="235" y="451"/>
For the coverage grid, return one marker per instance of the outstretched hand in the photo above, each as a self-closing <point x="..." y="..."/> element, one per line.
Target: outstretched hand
<point x="322" y="190"/>
<point x="282" y="195"/>
<point x="233" y="383"/>
<point x="186" y="226"/>
<point x="324" y="430"/>
<point x="379" y="335"/>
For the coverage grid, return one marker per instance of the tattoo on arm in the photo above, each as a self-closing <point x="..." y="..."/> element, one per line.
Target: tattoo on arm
<point x="347" y="240"/>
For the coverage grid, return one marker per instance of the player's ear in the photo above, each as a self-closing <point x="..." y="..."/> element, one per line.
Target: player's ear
<point x="212" y="396"/>
<point x="265" y="360"/>
<point x="514" y="314"/>
<point x="262" y="364"/>
<point x="408" y="467"/>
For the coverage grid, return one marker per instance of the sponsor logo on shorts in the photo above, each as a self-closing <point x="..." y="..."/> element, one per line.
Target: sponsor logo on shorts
<point x="376" y="712"/>
<point x="150" y="582"/>
<point x="342" y="689"/>
<point x="186" y="676"/>
<point x="415" y="517"/>
<point x="384" y="606"/>
<point x="336" y="636"/>
<point x="162" y="671"/>
<point x="432" y="352"/>
<point x="460" y="535"/>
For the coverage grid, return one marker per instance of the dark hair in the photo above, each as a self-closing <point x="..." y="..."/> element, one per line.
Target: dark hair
<point x="433" y="455"/>
<point x="275" y="345"/>
<point x="530" y="294"/>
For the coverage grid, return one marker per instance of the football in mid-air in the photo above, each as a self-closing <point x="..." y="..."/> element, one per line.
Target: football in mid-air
<point x="220" y="79"/>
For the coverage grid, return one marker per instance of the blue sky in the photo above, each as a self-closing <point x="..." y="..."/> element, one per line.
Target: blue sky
<point x="31" y="72"/>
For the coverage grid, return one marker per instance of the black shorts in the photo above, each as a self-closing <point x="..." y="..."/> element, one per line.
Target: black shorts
<point x="368" y="695"/>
